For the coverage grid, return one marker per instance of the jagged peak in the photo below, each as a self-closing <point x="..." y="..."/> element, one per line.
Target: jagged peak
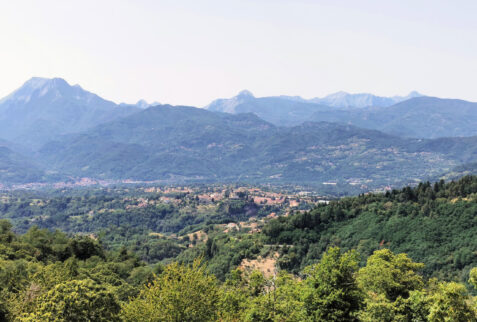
<point x="40" y="86"/>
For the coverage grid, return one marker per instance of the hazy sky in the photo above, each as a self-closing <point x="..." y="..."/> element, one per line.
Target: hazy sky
<point x="190" y="52"/>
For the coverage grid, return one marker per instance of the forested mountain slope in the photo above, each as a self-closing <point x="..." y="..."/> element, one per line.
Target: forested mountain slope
<point x="434" y="223"/>
<point x="186" y="143"/>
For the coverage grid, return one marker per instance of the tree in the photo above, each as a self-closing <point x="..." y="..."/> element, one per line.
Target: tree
<point x="333" y="294"/>
<point x="6" y="234"/>
<point x="281" y="300"/>
<point x="450" y="303"/>
<point x="473" y="277"/>
<point x="234" y="297"/>
<point x="180" y="293"/>
<point x="76" y="300"/>
<point x="389" y="280"/>
<point x="390" y="274"/>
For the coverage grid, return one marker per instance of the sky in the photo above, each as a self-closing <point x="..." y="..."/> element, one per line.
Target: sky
<point x="190" y="52"/>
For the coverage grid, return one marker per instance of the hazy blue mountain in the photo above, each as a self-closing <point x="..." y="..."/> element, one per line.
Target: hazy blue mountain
<point x="228" y="105"/>
<point x="141" y="104"/>
<point x="347" y="100"/>
<point x="277" y="110"/>
<point x="343" y="100"/>
<point x="16" y="168"/>
<point x="44" y="108"/>
<point x="420" y="117"/>
<point x="14" y="147"/>
<point x="186" y="143"/>
<point x="292" y="110"/>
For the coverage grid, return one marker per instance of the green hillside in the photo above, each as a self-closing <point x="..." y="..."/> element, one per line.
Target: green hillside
<point x="434" y="224"/>
<point x="190" y="144"/>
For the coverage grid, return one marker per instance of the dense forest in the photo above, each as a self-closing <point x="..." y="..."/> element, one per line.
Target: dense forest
<point x="179" y="255"/>
<point x="47" y="276"/>
<point x="435" y="224"/>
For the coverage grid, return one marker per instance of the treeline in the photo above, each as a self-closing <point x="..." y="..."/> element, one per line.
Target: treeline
<point x="48" y="276"/>
<point x="433" y="223"/>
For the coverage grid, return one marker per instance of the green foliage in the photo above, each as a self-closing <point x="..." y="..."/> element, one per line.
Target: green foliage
<point x="389" y="274"/>
<point x="473" y="277"/>
<point x="52" y="275"/>
<point x="75" y="279"/>
<point x="180" y="293"/>
<point x="48" y="276"/>
<point x="434" y="224"/>
<point x="76" y="300"/>
<point x="278" y="298"/>
<point x="450" y="303"/>
<point x="389" y="280"/>
<point x="224" y="252"/>
<point x="333" y="292"/>
<point x="122" y="218"/>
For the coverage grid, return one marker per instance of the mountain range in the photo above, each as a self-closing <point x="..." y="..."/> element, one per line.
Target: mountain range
<point x="53" y="130"/>
<point x="420" y="117"/>
<point x="345" y="100"/>
<point x="411" y="116"/>
<point x="339" y="100"/>
<point x="277" y="110"/>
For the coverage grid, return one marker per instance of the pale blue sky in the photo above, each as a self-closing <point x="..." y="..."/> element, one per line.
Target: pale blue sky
<point x="190" y="52"/>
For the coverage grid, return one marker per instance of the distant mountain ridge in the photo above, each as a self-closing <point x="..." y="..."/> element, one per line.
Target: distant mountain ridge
<point x="340" y="100"/>
<point x="412" y="116"/>
<point x="420" y="117"/>
<point x="141" y="104"/>
<point x="361" y="100"/>
<point x="276" y="110"/>
<point x="293" y="110"/>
